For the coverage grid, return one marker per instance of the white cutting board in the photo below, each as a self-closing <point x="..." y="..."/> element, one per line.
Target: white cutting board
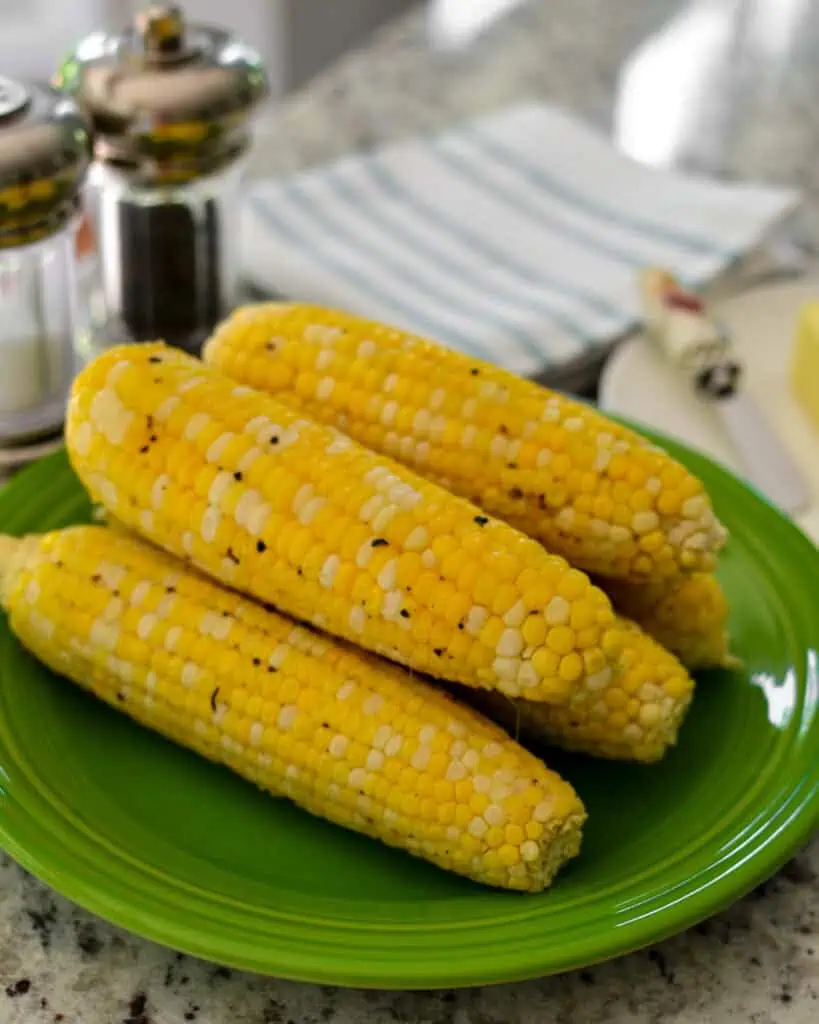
<point x="639" y="383"/>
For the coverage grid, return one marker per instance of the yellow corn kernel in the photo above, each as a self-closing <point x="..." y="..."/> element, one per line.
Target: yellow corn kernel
<point x="688" y="615"/>
<point x="560" y="471"/>
<point x="297" y="713"/>
<point x="283" y="476"/>
<point x="630" y="714"/>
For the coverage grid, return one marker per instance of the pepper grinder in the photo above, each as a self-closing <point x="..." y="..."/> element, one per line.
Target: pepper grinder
<point x="44" y="154"/>
<point x="170" y="105"/>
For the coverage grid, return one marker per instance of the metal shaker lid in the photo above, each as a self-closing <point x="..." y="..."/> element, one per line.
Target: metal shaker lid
<point x="166" y="98"/>
<point x="44" y="151"/>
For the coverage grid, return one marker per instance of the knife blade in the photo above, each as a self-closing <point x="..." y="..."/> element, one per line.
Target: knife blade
<point x="678" y="321"/>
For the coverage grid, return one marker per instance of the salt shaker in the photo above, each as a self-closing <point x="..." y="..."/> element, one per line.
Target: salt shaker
<point x="170" y="105"/>
<point x="44" y="153"/>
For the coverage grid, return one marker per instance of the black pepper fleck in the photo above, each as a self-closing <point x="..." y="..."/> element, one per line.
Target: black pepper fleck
<point x="120" y="695"/>
<point x="270" y="668"/>
<point x="379" y="542"/>
<point x="299" y="572"/>
<point x="170" y="590"/>
<point x="474" y="371"/>
<point x="404" y="613"/>
<point x="503" y="429"/>
<point x="512" y="465"/>
<point x="154" y="359"/>
<point x="213" y="697"/>
<point x="516" y="494"/>
<point x="145" y="448"/>
<point x="19" y="988"/>
<point x="261" y="547"/>
<point x="153" y="438"/>
<point x="231" y="554"/>
<point x="460" y="625"/>
<point x="257" y="662"/>
<point x="438" y="650"/>
<point x="481" y="520"/>
<point x="238" y="475"/>
<point x="274" y="439"/>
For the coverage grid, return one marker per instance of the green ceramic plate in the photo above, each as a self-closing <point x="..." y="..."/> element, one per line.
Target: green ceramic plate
<point x="178" y="850"/>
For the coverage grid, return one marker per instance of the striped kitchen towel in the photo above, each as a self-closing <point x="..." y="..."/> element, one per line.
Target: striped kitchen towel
<point x="517" y="237"/>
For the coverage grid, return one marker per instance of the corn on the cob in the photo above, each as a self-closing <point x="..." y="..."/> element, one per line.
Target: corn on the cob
<point x="296" y="514"/>
<point x="343" y="734"/>
<point x="631" y="715"/>
<point x="688" y="615"/>
<point x="588" y="488"/>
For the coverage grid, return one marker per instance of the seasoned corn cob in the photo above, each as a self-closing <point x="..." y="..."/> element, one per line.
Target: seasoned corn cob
<point x="588" y="488"/>
<point x="688" y="615"/>
<point x="296" y="514"/>
<point x="343" y="734"/>
<point x="630" y="715"/>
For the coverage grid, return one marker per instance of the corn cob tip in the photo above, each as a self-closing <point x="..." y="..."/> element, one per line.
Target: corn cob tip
<point x="632" y="714"/>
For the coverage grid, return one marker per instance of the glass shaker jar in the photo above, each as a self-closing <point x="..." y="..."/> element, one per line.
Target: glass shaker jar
<point x="170" y="107"/>
<point x="44" y="152"/>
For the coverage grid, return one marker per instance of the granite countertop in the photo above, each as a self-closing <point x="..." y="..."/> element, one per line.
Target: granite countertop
<point x="755" y="963"/>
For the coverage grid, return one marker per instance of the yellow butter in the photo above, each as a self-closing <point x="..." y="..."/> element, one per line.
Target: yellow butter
<point x="805" y="363"/>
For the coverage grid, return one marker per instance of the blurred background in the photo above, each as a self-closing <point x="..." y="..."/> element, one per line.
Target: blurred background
<point x="297" y="38"/>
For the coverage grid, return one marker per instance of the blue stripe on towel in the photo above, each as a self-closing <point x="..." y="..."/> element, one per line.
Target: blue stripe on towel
<point x="425" y="283"/>
<point x="517" y="201"/>
<point x="537" y="175"/>
<point x="265" y="209"/>
<point x="422" y="241"/>
<point x="533" y="344"/>
<point x="465" y="236"/>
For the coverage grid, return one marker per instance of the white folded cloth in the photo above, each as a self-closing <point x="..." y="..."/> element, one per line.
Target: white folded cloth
<point x="517" y="237"/>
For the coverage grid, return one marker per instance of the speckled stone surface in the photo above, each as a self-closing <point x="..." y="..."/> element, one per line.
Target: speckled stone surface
<point x="755" y="963"/>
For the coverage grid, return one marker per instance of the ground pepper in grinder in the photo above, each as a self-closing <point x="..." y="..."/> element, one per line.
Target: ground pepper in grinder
<point x="170" y="106"/>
